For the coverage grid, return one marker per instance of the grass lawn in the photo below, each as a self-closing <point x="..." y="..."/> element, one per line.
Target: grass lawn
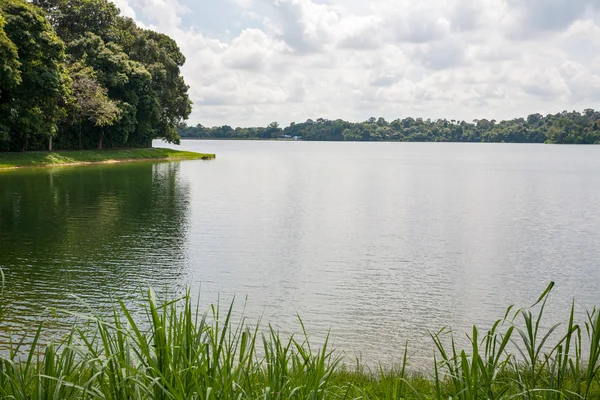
<point x="45" y="158"/>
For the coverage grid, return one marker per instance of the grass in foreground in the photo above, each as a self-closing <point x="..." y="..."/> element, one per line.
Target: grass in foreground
<point x="41" y="159"/>
<point x="183" y="354"/>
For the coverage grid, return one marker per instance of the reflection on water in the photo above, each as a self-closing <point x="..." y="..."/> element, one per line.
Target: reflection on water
<point x="379" y="242"/>
<point x="382" y="242"/>
<point x="97" y="232"/>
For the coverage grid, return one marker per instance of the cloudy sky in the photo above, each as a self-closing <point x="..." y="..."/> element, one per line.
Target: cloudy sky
<point x="250" y="62"/>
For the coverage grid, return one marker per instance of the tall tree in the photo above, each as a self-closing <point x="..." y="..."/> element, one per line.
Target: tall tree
<point x="166" y="102"/>
<point x="31" y="109"/>
<point x="140" y="68"/>
<point x="90" y="102"/>
<point x="74" y="18"/>
<point x="10" y="74"/>
<point x="126" y="82"/>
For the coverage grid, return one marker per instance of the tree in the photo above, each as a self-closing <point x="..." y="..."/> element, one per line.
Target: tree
<point x="381" y="121"/>
<point x="72" y="19"/>
<point x="127" y="83"/>
<point x="31" y="109"/>
<point x="10" y="74"/>
<point x="271" y="131"/>
<point x="139" y="67"/>
<point x="90" y="101"/>
<point x="565" y="127"/>
<point x="167" y="102"/>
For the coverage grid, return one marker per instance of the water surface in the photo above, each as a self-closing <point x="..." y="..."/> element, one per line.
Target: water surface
<point x="381" y="242"/>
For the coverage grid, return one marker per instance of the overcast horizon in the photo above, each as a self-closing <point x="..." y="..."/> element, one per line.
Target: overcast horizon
<point x="250" y="62"/>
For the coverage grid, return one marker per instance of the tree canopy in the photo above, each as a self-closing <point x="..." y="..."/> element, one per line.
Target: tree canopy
<point x="565" y="127"/>
<point x="31" y="104"/>
<point x="76" y="74"/>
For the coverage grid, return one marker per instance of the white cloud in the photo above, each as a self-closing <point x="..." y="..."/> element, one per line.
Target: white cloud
<point x="440" y="55"/>
<point x="361" y="33"/>
<point x="253" y="50"/>
<point x="125" y="8"/>
<point x="582" y="83"/>
<point x="290" y="60"/>
<point x="304" y="25"/>
<point x="537" y="17"/>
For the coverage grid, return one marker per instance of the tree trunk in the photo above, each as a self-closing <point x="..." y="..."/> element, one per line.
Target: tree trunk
<point x="80" y="145"/>
<point x="50" y="143"/>
<point x="101" y="139"/>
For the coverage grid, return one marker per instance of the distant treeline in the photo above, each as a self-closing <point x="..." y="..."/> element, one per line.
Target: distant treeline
<point x="76" y="74"/>
<point x="566" y="127"/>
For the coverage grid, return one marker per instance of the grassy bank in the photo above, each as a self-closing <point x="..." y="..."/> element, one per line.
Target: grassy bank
<point x="42" y="159"/>
<point x="183" y="354"/>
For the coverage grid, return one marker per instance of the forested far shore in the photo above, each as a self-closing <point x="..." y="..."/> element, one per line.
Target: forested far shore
<point x="75" y="74"/>
<point x="561" y="128"/>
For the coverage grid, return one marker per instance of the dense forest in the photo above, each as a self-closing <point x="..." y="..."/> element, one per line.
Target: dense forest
<point x="566" y="127"/>
<point x="76" y="74"/>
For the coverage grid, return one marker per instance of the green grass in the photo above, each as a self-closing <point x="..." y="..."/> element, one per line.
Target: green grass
<point x="176" y="352"/>
<point x="41" y="159"/>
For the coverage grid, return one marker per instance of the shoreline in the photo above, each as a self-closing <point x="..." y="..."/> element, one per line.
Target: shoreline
<point x="258" y="139"/>
<point x="385" y="141"/>
<point x="376" y="141"/>
<point x="14" y="161"/>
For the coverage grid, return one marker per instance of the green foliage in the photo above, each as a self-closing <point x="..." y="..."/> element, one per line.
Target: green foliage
<point x="166" y="102"/>
<point x="72" y="19"/>
<point x="173" y="353"/>
<point x="40" y="159"/>
<point x="31" y="109"/>
<point x="10" y="74"/>
<point x="75" y="74"/>
<point x="10" y="71"/>
<point x="91" y="103"/>
<point x="535" y="369"/>
<point x="139" y="68"/>
<point x="169" y="350"/>
<point x="565" y="128"/>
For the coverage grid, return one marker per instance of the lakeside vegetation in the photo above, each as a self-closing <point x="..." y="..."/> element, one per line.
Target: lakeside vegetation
<point x="178" y="353"/>
<point x="561" y="128"/>
<point x="75" y="74"/>
<point x="41" y="159"/>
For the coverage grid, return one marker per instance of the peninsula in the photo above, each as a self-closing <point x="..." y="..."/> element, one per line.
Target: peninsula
<point x="46" y="159"/>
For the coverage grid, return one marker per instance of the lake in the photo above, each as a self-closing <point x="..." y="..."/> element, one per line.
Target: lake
<point x="379" y="242"/>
